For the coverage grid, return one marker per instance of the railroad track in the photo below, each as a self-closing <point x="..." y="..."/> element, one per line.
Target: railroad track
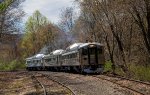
<point x="121" y="77"/>
<point x="117" y="79"/>
<point x="40" y="83"/>
<point x="63" y="85"/>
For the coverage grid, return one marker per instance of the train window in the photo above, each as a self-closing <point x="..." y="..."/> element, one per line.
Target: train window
<point x="84" y="51"/>
<point x="54" y="59"/>
<point x="92" y="50"/>
<point x="48" y="60"/>
<point x="99" y="51"/>
<point x="34" y="61"/>
<point x="28" y="62"/>
<point x="73" y="55"/>
<point x="69" y="56"/>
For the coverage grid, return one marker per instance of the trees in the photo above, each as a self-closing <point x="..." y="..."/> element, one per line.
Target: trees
<point x="39" y="32"/>
<point x="118" y="25"/>
<point x="30" y="42"/>
<point x="140" y="12"/>
<point x="67" y="19"/>
<point x="66" y="24"/>
<point x="10" y="16"/>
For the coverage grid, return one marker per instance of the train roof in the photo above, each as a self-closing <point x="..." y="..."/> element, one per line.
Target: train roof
<point x="69" y="53"/>
<point x="76" y="46"/>
<point x="29" y="58"/>
<point x="37" y="56"/>
<point x="87" y="44"/>
<point x="57" y="52"/>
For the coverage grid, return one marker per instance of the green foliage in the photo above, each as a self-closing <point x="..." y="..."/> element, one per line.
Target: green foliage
<point x="13" y="65"/>
<point x="108" y="66"/>
<point x="140" y="72"/>
<point x="4" y="5"/>
<point x="35" y="22"/>
<point x="35" y="33"/>
<point x="119" y="71"/>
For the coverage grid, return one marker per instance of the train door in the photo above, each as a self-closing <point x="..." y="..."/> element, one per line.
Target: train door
<point x="84" y="56"/>
<point x="92" y="55"/>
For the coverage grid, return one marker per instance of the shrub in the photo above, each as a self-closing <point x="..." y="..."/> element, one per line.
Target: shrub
<point x="140" y="72"/>
<point x="13" y="65"/>
<point x="108" y="67"/>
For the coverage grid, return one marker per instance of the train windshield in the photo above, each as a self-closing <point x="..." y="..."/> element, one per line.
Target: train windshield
<point x="99" y="50"/>
<point x="84" y="51"/>
<point x="92" y="51"/>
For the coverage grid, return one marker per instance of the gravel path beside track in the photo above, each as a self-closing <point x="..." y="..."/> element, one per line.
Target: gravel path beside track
<point x="88" y="85"/>
<point x="23" y="83"/>
<point x="16" y="83"/>
<point x="60" y="83"/>
<point x="137" y="86"/>
<point x="51" y="87"/>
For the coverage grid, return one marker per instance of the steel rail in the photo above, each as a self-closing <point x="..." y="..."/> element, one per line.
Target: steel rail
<point x="73" y="93"/>
<point x="44" y="89"/>
<point x="119" y="85"/>
<point x="138" y="81"/>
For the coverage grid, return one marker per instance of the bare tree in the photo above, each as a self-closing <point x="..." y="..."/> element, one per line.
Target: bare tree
<point x="140" y="11"/>
<point x="10" y="16"/>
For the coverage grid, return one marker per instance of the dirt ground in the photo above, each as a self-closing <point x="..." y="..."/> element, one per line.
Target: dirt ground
<point x="21" y="83"/>
<point x="15" y="83"/>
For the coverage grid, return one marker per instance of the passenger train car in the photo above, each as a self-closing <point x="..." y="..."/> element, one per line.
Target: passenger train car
<point x="79" y="57"/>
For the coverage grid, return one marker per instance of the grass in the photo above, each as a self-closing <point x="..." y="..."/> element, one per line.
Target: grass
<point x="10" y="66"/>
<point x="108" y="67"/>
<point x="138" y="72"/>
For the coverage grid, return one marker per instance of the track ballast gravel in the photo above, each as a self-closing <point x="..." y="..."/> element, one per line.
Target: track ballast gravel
<point x="88" y="85"/>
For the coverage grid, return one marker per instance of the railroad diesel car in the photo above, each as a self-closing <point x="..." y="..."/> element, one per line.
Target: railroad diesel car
<point x="79" y="57"/>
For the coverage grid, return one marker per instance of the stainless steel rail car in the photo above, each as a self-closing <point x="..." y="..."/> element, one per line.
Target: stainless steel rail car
<point x="80" y="57"/>
<point x="35" y="62"/>
<point x="84" y="57"/>
<point x="52" y="61"/>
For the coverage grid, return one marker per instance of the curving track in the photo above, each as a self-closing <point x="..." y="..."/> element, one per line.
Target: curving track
<point x="40" y="83"/>
<point x="130" y="84"/>
<point x="63" y="85"/>
<point x="72" y="92"/>
<point x="89" y="85"/>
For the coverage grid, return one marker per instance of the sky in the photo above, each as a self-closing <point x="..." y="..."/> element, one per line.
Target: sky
<point x="49" y="8"/>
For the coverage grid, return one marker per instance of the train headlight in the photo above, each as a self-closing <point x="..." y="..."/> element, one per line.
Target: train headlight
<point x="91" y="45"/>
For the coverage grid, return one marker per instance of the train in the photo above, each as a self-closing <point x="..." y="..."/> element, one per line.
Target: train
<point x="79" y="57"/>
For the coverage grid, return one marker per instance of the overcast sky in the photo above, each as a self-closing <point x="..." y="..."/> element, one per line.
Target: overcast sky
<point x="49" y="8"/>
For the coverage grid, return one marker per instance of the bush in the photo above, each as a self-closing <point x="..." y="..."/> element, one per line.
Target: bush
<point x="13" y="65"/>
<point x="140" y="72"/>
<point x="108" y="67"/>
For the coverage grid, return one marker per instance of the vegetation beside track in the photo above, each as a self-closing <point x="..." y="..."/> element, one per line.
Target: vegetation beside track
<point x="138" y="72"/>
<point x="12" y="65"/>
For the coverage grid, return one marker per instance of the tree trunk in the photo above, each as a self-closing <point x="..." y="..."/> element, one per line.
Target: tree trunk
<point x="148" y="21"/>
